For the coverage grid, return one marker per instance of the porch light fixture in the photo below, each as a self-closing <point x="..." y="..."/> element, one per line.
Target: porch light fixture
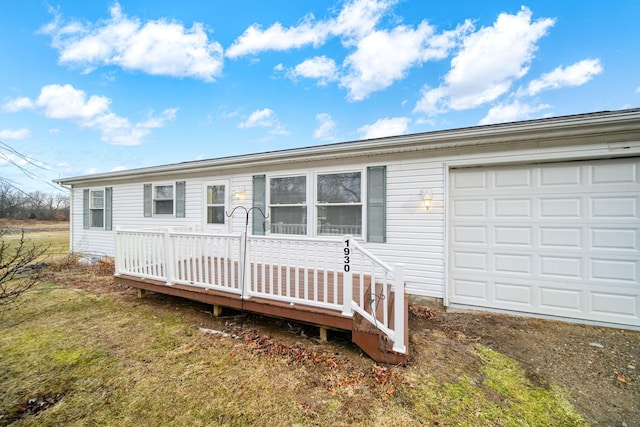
<point x="427" y="198"/>
<point x="240" y="194"/>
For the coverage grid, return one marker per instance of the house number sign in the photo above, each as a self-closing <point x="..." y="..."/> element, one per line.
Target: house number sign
<point x="347" y="253"/>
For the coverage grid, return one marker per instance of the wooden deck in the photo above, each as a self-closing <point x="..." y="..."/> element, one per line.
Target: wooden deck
<point x="292" y="283"/>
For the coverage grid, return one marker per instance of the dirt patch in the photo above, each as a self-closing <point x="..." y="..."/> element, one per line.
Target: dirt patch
<point x="596" y="366"/>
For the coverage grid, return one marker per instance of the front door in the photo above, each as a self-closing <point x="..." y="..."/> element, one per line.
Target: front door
<point x="216" y="201"/>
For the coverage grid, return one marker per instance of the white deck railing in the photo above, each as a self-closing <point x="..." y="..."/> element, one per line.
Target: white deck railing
<point x="337" y="274"/>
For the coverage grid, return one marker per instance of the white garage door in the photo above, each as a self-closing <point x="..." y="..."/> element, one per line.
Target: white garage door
<point x="560" y="239"/>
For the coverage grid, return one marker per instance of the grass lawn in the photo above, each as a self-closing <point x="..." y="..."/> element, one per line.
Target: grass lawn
<point x="79" y="351"/>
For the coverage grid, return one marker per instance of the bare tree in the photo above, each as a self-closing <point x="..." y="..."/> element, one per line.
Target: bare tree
<point x="16" y="203"/>
<point x="19" y="269"/>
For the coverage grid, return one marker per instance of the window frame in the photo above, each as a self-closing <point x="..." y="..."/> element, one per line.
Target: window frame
<point x="318" y="204"/>
<point x="155" y="199"/>
<point x="208" y="205"/>
<point x="305" y="205"/>
<point x="178" y="199"/>
<point x="91" y="211"/>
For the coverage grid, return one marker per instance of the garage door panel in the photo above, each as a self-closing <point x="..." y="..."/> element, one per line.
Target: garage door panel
<point x="519" y="236"/>
<point x="556" y="176"/>
<point x="512" y="293"/>
<point x="615" y="239"/>
<point x="471" y="290"/>
<point x="512" y="178"/>
<point x="615" y="270"/>
<point x="470" y="208"/>
<point x="614" y="304"/>
<point x="561" y="237"/>
<point x="614" y="207"/>
<point x="556" y="239"/>
<point x="560" y="267"/>
<point x="614" y="173"/>
<point x="561" y="207"/>
<point x="470" y="234"/>
<point x="471" y="261"/>
<point x="512" y="208"/>
<point x="470" y="180"/>
<point x="561" y="299"/>
<point x="512" y="264"/>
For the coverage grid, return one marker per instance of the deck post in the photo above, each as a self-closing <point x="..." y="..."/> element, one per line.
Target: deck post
<point x="169" y="258"/>
<point x="244" y="263"/>
<point x="119" y="253"/>
<point x="398" y="309"/>
<point x="347" y="277"/>
<point x="323" y="334"/>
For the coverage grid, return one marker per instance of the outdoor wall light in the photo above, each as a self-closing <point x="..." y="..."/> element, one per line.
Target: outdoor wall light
<point x="240" y="194"/>
<point x="427" y="198"/>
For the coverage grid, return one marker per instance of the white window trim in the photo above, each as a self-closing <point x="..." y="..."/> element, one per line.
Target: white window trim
<point x="227" y="198"/>
<point x="362" y="203"/>
<point x="173" y="199"/>
<point x="308" y="194"/>
<point x="311" y="197"/>
<point x="92" y="208"/>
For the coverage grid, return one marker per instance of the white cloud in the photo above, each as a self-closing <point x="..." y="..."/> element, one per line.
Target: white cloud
<point x="385" y="127"/>
<point x="357" y="18"/>
<point x="512" y="112"/>
<point x="65" y="102"/>
<point x="379" y="57"/>
<point x="489" y="61"/>
<point x="326" y="129"/>
<point x="160" y="47"/>
<point x="17" y="104"/>
<point x="573" y="75"/>
<point x="14" y="134"/>
<point x="382" y="57"/>
<point x="320" y="67"/>
<point x="255" y="39"/>
<point x="265" y="118"/>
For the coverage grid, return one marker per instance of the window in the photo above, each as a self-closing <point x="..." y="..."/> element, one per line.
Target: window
<point x="288" y="205"/>
<point x="96" y="206"/>
<point x="215" y="204"/>
<point x="339" y="204"/>
<point x="161" y="199"/>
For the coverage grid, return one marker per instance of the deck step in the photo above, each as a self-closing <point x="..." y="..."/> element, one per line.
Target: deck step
<point x="374" y="343"/>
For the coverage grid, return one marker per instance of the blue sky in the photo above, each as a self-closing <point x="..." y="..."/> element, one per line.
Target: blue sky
<point x="98" y="86"/>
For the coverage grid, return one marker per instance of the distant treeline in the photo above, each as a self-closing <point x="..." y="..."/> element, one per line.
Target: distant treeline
<point x="16" y="204"/>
